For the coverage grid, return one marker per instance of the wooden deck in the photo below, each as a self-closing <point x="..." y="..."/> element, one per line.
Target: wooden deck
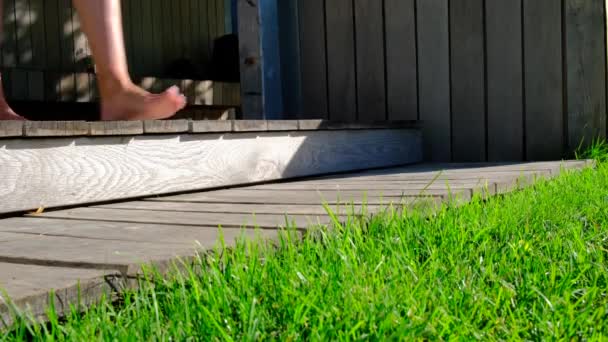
<point x="97" y="249"/>
<point x="57" y="164"/>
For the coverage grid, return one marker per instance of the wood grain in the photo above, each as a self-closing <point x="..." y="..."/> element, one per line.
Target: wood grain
<point x="434" y="78"/>
<point x="196" y="219"/>
<point x="505" y="80"/>
<point x="371" y="91"/>
<point x="543" y="79"/>
<point x="29" y="288"/>
<point x="251" y="61"/>
<point x="113" y="246"/>
<point x="285" y="209"/>
<point x="11" y="128"/>
<point x="401" y="59"/>
<point x="341" y="64"/>
<point x="468" y="80"/>
<point x="313" y="59"/>
<point x="586" y="71"/>
<point x="96" y="169"/>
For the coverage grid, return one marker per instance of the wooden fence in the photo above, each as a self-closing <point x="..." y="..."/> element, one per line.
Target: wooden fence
<point x="45" y="55"/>
<point x="490" y="79"/>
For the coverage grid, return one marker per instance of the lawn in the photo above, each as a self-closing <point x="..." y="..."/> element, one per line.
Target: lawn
<point x="531" y="265"/>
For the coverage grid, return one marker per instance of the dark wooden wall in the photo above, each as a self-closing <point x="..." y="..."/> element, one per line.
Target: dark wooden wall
<point x="46" y="57"/>
<point x="491" y="80"/>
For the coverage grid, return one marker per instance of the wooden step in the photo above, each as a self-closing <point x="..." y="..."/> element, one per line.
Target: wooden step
<point x="55" y="164"/>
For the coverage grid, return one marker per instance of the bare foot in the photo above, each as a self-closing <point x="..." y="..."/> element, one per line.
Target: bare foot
<point x="6" y="113"/>
<point x="135" y="103"/>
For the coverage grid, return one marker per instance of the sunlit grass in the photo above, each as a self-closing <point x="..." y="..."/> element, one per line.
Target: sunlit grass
<point x="530" y="265"/>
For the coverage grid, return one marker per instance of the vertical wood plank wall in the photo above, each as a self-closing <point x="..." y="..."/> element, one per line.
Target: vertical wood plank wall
<point x="491" y="80"/>
<point x="45" y="55"/>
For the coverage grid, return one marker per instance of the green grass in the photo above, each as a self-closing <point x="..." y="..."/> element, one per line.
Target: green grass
<point x="531" y="265"/>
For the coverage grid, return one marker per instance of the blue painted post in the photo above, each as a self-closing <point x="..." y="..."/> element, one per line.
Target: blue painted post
<point x="272" y="87"/>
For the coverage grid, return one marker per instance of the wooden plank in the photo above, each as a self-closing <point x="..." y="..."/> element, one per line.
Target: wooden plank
<point x="201" y="35"/>
<point x="29" y="288"/>
<point x="371" y="91"/>
<point x="543" y="79"/>
<point x="110" y="168"/>
<point x="24" y="22"/>
<point x="53" y="35"/>
<point x="586" y="71"/>
<point x="9" y="128"/>
<point x="250" y="125"/>
<point x="195" y="219"/>
<point x="111" y="246"/>
<point x="282" y="125"/>
<point x="313" y="59"/>
<point x="169" y="45"/>
<point x="147" y="40"/>
<point x="185" y="19"/>
<point x="468" y="80"/>
<point x="38" y="20"/>
<point x="298" y="199"/>
<point x="290" y="52"/>
<point x="210" y="126"/>
<point x="9" y="36"/>
<point x="250" y="56"/>
<point x="66" y="40"/>
<point x="55" y="128"/>
<point x="434" y="78"/>
<point x="18" y="84"/>
<point x="102" y="128"/>
<point x="401" y="59"/>
<point x="504" y="80"/>
<point x="341" y="77"/>
<point x="166" y="126"/>
<point x="286" y="209"/>
<point x="157" y="38"/>
<point x="35" y="85"/>
<point x="138" y="54"/>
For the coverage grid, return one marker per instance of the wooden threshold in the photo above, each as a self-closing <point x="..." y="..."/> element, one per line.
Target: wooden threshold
<point x="57" y="164"/>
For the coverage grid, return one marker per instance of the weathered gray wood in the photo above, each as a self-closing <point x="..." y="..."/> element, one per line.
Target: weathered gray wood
<point x="401" y="59"/>
<point x="434" y="78"/>
<point x="11" y="129"/>
<point x="586" y="71"/>
<point x="232" y="220"/>
<point x="371" y="91"/>
<point x="468" y="80"/>
<point x="249" y="125"/>
<point x="241" y="208"/>
<point x="101" y="128"/>
<point x="307" y="125"/>
<point x="251" y="61"/>
<point x="102" y="247"/>
<point x="209" y="126"/>
<point x="82" y="170"/>
<point x="166" y="126"/>
<point x="282" y="125"/>
<point x="303" y="197"/>
<point x="55" y="128"/>
<point x="29" y="286"/>
<point x="543" y="79"/>
<point x="341" y="64"/>
<point x="504" y="80"/>
<point x="313" y="59"/>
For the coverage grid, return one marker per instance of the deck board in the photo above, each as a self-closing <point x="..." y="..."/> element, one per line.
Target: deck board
<point x="90" y="243"/>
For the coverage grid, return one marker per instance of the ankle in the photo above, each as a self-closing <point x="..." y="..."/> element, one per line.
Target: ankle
<point x="112" y="83"/>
